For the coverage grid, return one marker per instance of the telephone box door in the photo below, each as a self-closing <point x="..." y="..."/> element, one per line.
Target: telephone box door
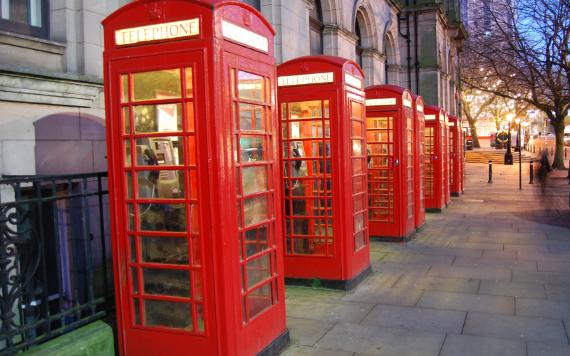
<point x="164" y="278"/>
<point x="307" y="155"/>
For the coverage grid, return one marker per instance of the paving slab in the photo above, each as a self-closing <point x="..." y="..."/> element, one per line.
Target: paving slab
<point x="558" y="291"/>
<point x="408" y="258"/>
<point x="548" y="331"/>
<point x="383" y="295"/>
<point x="307" y="332"/>
<point x="390" y="316"/>
<point x="513" y="289"/>
<point x="374" y="340"/>
<point x="328" y="311"/>
<point x="442" y="284"/>
<point x="448" y="251"/>
<point x="540" y="349"/>
<point x="552" y="266"/>
<point x="505" y="255"/>
<point x="468" y="345"/>
<point x="482" y="272"/>
<point x="299" y="350"/>
<point x="543" y="308"/>
<point x="467" y="302"/>
<point x="477" y="262"/>
<point x="383" y="267"/>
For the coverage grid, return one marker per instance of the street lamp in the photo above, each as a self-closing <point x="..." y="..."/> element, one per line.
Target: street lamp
<point x="509" y="154"/>
<point x="518" y="122"/>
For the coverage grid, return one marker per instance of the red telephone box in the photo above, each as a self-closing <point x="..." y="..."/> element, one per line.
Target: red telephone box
<point x="323" y="150"/>
<point x="419" y="162"/>
<point x="456" y="155"/>
<point x="390" y="140"/>
<point x="446" y="159"/>
<point x="194" y="179"/>
<point x="435" y="159"/>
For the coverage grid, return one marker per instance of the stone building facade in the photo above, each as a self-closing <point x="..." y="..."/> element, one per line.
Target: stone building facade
<point x="51" y="101"/>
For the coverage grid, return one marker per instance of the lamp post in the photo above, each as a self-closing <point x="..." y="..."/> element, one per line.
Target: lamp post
<point x="518" y="122"/>
<point x="509" y="154"/>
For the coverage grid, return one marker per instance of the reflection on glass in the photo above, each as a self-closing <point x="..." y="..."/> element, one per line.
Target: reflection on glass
<point x="259" y="300"/>
<point x="357" y="166"/>
<point x="252" y="148"/>
<point x="189" y="83"/>
<point x="357" y="129"/>
<point x="255" y="210"/>
<point x="359" y="222"/>
<point x="359" y="202"/>
<point x="159" y="151"/>
<point x="124" y="88"/>
<point x="160" y="184"/>
<point x="126" y="120"/>
<point x="305" y="110"/>
<point x="172" y="250"/>
<point x="134" y="280"/>
<point x="174" y="282"/>
<point x="359" y="240"/>
<point x="200" y="317"/>
<point x="190" y="117"/>
<point x="356" y="110"/>
<point x="256" y="240"/>
<point x="356" y="147"/>
<point x="258" y="270"/>
<point x="137" y="307"/>
<point x="129" y="178"/>
<point x="128" y="160"/>
<point x="162" y="217"/>
<point x="168" y="314"/>
<point x="250" y="86"/>
<point x="254" y="179"/>
<point x="251" y="117"/>
<point x="160" y="84"/>
<point x="131" y="217"/>
<point x="306" y="129"/>
<point x="327" y="111"/>
<point x="158" y="118"/>
<point x="133" y="248"/>
<point x="196" y="252"/>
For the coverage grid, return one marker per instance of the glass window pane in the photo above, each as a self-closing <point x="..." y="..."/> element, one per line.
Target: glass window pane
<point x="129" y="183"/>
<point x="356" y="147"/>
<point x="134" y="280"/>
<point x="255" y="210"/>
<point x="124" y="88"/>
<point x="128" y="160"/>
<point x="172" y="250"/>
<point x="250" y="86"/>
<point x="189" y="83"/>
<point x="158" y="118"/>
<point x="252" y="148"/>
<point x="168" y="314"/>
<point x="358" y="222"/>
<point x="160" y="84"/>
<point x="254" y="179"/>
<point x="190" y="117"/>
<point x="305" y="110"/>
<point x="160" y="184"/>
<point x="251" y="117"/>
<point x="356" y="110"/>
<point x="126" y="120"/>
<point x="159" y="151"/>
<point x="137" y="310"/>
<point x="174" y="282"/>
<point x="259" y="300"/>
<point x="256" y="240"/>
<point x="258" y="270"/>
<point x="306" y="129"/>
<point x="162" y="217"/>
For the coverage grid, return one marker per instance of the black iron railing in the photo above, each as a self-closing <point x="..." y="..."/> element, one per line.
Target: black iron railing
<point x="55" y="261"/>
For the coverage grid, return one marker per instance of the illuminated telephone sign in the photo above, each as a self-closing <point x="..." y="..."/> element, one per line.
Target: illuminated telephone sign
<point x="192" y="147"/>
<point x="325" y="210"/>
<point x="391" y="157"/>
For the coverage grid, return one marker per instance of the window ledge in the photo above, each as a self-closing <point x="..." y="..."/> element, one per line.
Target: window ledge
<point x="38" y="44"/>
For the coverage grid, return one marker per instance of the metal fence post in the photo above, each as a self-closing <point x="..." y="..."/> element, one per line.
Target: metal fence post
<point x="531" y="173"/>
<point x="490" y="172"/>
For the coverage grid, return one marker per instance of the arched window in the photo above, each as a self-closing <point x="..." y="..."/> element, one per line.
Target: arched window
<point x="254" y="3"/>
<point x="389" y="59"/>
<point x="358" y="33"/>
<point x="316" y="28"/>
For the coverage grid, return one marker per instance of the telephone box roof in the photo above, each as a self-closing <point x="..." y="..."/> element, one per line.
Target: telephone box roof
<point x="333" y="60"/>
<point x="390" y="88"/>
<point x="214" y="4"/>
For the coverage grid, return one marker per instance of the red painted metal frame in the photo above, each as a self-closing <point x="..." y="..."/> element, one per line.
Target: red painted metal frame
<point x="398" y="161"/>
<point x="447" y="160"/>
<point x="435" y="158"/>
<point x="456" y="150"/>
<point x="419" y="162"/>
<point x="346" y="260"/>
<point x="225" y="330"/>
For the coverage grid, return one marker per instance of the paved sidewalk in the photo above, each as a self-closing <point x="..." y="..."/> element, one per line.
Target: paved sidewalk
<point x="488" y="276"/>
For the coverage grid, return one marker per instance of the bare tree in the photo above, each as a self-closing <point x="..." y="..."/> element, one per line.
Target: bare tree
<point x="523" y="54"/>
<point x="473" y="110"/>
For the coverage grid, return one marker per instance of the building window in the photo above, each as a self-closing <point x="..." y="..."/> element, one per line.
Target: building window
<point x="358" y="43"/>
<point x="256" y="4"/>
<point x="316" y="28"/>
<point x="28" y="17"/>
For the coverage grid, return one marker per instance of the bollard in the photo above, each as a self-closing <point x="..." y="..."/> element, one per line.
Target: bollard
<point x="568" y="171"/>
<point x="531" y="173"/>
<point x="490" y="172"/>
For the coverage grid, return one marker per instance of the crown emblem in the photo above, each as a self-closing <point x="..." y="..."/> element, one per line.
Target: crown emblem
<point x="155" y="11"/>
